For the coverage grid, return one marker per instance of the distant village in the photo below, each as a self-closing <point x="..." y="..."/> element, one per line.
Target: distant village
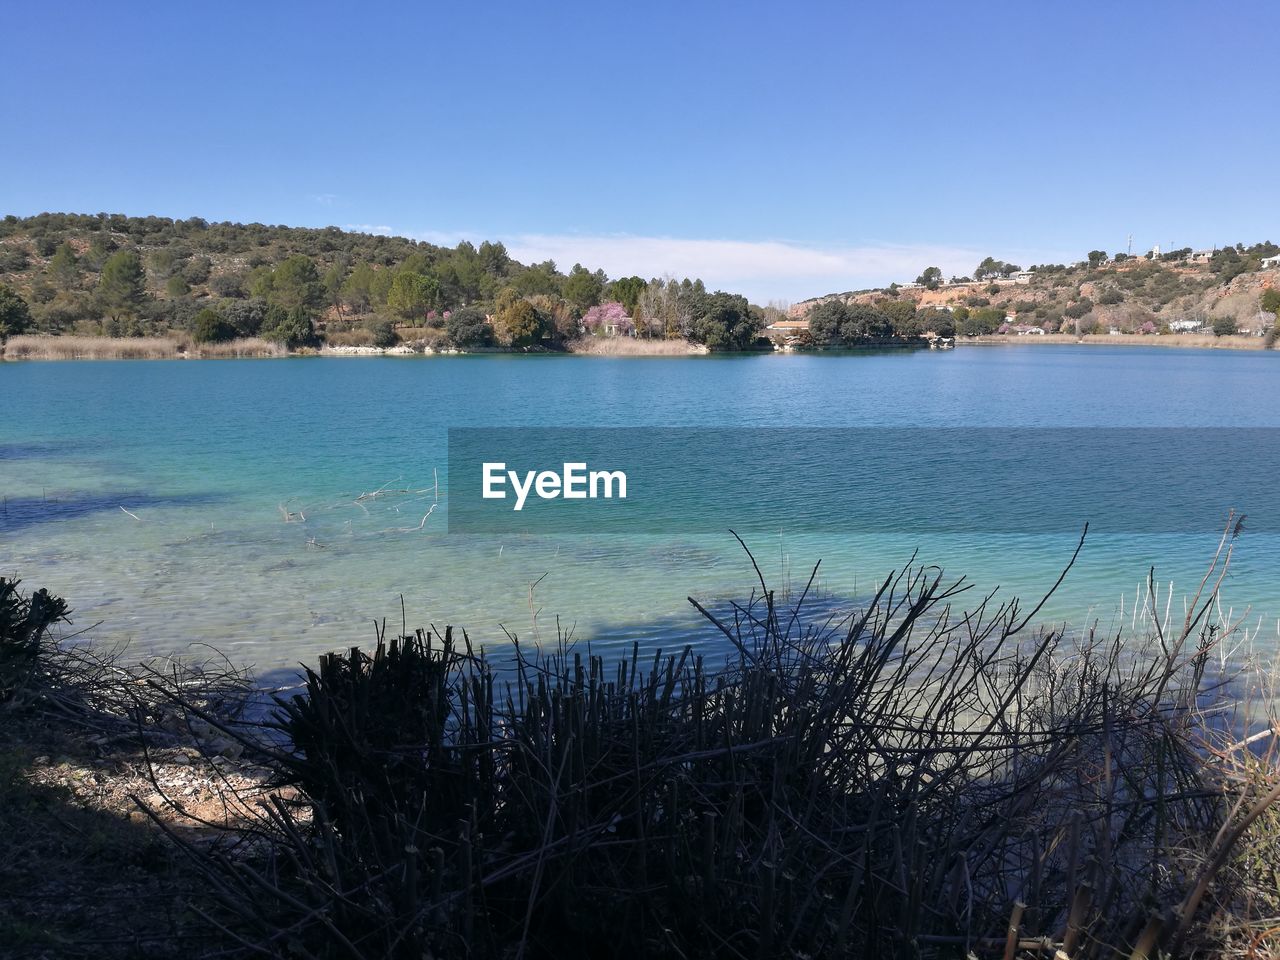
<point x="1245" y="305"/>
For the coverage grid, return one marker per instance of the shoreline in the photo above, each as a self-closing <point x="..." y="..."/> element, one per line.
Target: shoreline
<point x="180" y="791"/>
<point x="1185" y="341"/>
<point x="177" y="347"/>
<point x="49" y="347"/>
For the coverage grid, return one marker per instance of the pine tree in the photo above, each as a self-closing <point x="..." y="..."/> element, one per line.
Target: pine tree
<point x="122" y="289"/>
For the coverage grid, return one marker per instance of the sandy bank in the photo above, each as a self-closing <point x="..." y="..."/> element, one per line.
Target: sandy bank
<point x="1198" y="341"/>
<point x="400" y="350"/>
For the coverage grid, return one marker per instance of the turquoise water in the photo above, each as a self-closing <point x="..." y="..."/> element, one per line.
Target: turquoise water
<point x="245" y="528"/>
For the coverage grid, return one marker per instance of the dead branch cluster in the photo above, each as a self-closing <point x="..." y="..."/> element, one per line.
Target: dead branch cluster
<point x="928" y="775"/>
<point x="913" y="780"/>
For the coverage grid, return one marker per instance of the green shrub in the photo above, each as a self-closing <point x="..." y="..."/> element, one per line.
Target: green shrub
<point x="197" y="270"/>
<point x="980" y="323"/>
<point x="247" y="316"/>
<point x="1078" y="309"/>
<point x="15" y="316"/>
<point x="521" y="324"/>
<point x="468" y="327"/>
<point x="13" y="259"/>
<point x="293" y="329"/>
<point x="227" y="285"/>
<point x="940" y="322"/>
<point x="210" y="327"/>
<point x="382" y="331"/>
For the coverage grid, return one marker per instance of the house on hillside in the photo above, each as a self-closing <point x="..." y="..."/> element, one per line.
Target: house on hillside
<point x="1271" y="263"/>
<point x="1027" y="330"/>
<point x="1184" y="326"/>
<point x="609" y="319"/>
<point x="787" y="335"/>
<point x="787" y="328"/>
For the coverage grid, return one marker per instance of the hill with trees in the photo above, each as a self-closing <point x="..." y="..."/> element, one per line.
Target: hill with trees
<point x="1224" y="291"/>
<point x="119" y="276"/>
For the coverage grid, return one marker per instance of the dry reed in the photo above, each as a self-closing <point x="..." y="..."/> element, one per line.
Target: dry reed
<point x="632" y="347"/>
<point x="242" y="347"/>
<point x="43" y="347"/>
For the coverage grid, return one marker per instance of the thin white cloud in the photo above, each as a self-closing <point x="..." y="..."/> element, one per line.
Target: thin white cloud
<point x="324" y="199"/>
<point x="764" y="271"/>
<point x="441" y="238"/>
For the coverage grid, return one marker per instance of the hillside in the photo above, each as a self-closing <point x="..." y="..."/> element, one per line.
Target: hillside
<point x="1179" y="290"/>
<point x="109" y="275"/>
<point x="112" y="275"/>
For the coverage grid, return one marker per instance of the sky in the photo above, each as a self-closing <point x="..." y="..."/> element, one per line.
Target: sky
<point x="778" y="150"/>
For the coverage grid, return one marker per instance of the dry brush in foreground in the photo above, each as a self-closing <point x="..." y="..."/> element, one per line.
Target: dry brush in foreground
<point x="910" y="781"/>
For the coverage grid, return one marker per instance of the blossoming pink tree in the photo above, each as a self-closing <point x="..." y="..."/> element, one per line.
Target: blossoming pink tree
<point x="608" y="318"/>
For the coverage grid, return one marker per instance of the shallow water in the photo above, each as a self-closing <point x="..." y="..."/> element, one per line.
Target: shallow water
<point x="209" y="459"/>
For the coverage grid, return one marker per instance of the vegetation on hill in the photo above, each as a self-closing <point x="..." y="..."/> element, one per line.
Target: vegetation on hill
<point x="1224" y="291"/>
<point x="211" y="283"/>
<point x="112" y="275"/>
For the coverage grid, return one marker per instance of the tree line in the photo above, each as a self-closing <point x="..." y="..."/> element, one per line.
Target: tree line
<point x="117" y="275"/>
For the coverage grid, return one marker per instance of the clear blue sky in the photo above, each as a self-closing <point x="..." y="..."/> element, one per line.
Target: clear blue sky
<point x="787" y="149"/>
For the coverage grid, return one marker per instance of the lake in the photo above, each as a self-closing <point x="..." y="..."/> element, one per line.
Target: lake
<point x="220" y="502"/>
